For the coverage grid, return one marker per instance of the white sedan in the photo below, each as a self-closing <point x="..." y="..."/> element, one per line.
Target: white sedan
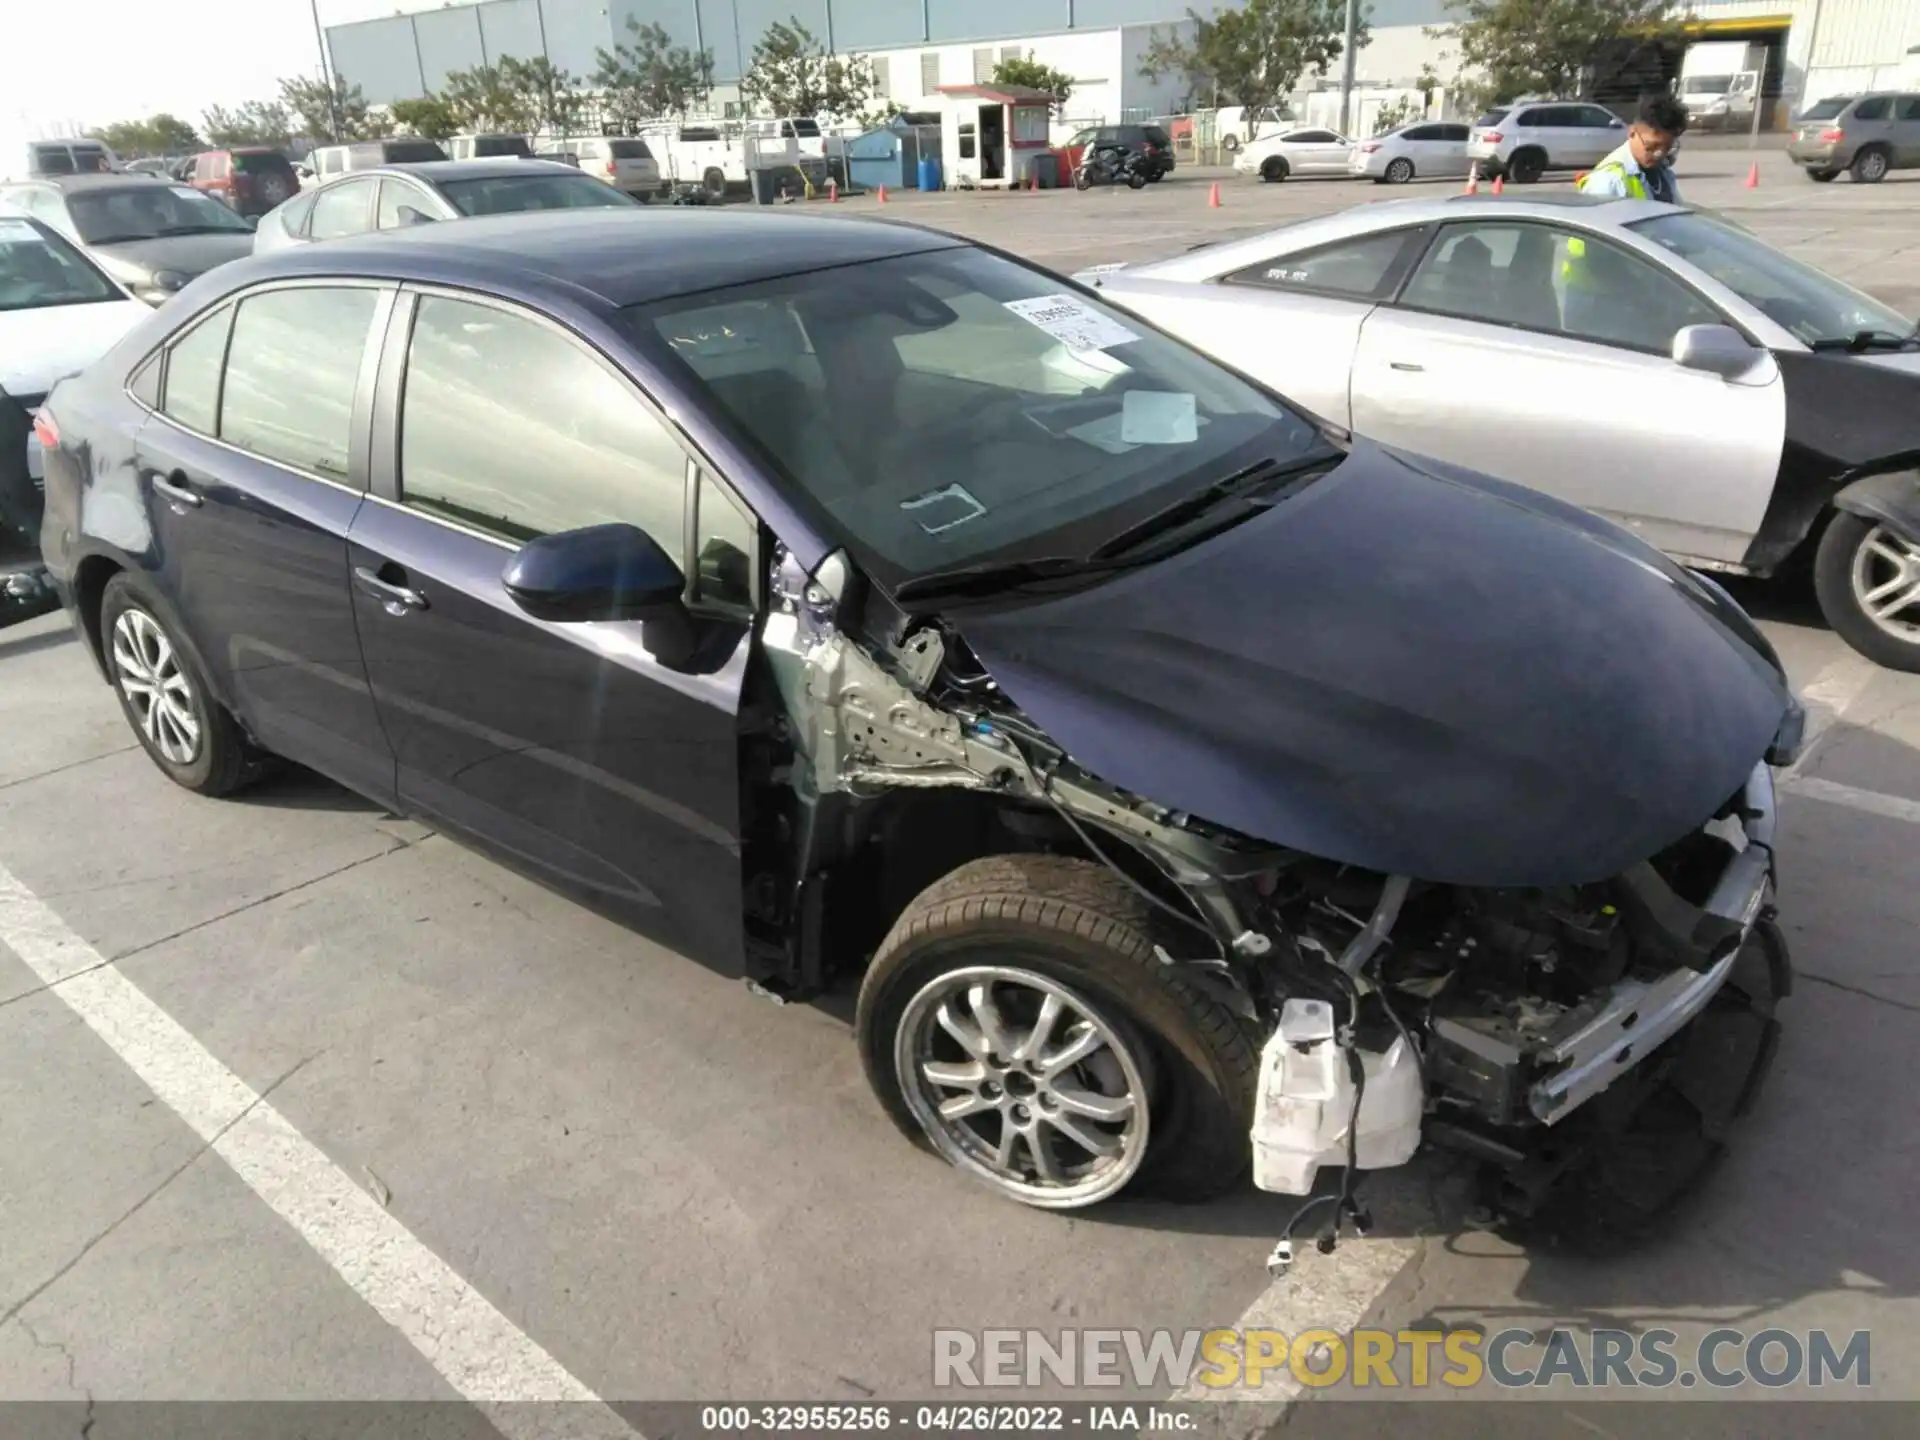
<point x="1304" y="152"/>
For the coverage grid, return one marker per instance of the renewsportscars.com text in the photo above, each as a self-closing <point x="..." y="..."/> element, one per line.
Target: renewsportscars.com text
<point x="1230" y="1360"/>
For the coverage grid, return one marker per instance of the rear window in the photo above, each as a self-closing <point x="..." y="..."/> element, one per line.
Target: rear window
<point x="509" y="194"/>
<point x="1492" y="117"/>
<point x="629" y="150"/>
<point x="406" y="152"/>
<point x="490" y="145"/>
<point x="264" y="162"/>
<point x="1826" y="109"/>
<point x="1158" y="136"/>
<point x="802" y="129"/>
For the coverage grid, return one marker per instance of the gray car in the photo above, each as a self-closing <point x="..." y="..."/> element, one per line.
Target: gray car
<point x="152" y="235"/>
<point x="1656" y="364"/>
<point x="1426" y="150"/>
<point x="1524" y="141"/>
<point x="1865" y="135"/>
<point x="395" y="196"/>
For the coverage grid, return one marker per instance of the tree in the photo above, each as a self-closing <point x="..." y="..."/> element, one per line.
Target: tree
<point x="1391" y="117"/>
<point x="1035" y="76"/>
<point x="483" y="99"/>
<point x="258" y="122"/>
<point x="651" y="76"/>
<point x="792" y="75"/>
<point x="1556" y="47"/>
<point x="1254" y="57"/>
<point x="161" y="134"/>
<point x="552" y="96"/>
<point x="430" y="117"/>
<point x="314" y="104"/>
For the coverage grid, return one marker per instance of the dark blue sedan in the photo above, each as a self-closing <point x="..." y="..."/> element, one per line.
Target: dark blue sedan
<point x="834" y="598"/>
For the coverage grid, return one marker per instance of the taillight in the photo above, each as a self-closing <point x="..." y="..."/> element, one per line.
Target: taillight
<point x="1369" y="147"/>
<point x="45" y="431"/>
<point x="611" y="168"/>
<point x="1492" y="137"/>
<point x="1833" y="136"/>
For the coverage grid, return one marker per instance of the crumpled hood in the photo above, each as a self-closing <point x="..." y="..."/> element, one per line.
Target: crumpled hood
<point x="132" y="262"/>
<point x="1410" y="668"/>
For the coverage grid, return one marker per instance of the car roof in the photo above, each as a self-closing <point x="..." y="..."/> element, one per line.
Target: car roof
<point x="620" y="257"/>
<point x="434" y="171"/>
<point x="1603" y="211"/>
<point x="115" y="180"/>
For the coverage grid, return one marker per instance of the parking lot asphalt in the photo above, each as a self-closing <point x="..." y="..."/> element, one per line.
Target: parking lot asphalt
<point x="319" y="1105"/>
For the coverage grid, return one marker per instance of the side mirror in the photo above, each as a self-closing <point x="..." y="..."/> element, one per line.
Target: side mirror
<point x="604" y="572"/>
<point x="1717" y="349"/>
<point x="410" y="216"/>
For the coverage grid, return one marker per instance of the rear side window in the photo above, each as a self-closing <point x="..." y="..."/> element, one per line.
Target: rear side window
<point x="1354" y="269"/>
<point x="1492" y="117"/>
<point x="501" y="145"/>
<point x="144" y="384"/>
<point x="1878" y="108"/>
<point x="192" y="390"/>
<point x="1909" y="107"/>
<point x="262" y="163"/>
<point x="341" y="210"/>
<point x="1452" y="132"/>
<point x="292" y="370"/>
<point x="1421" y="132"/>
<point x="1543" y="115"/>
<point x="1825" y="109"/>
<point x="407" y="152"/>
<point x="629" y="150"/>
<point x="295" y="213"/>
<point x="1314" y="137"/>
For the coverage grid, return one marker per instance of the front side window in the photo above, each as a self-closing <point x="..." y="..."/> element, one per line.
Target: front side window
<point x="148" y="212"/>
<point x="192" y="394"/>
<point x="724" y="535"/>
<point x="513" y="429"/>
<point x="938" y="409"/>
<point x="1314" y="137"/>
<point x="1596" y="118"/>
<point x="510" y="194"/>
<point x="340" y="210"/>
<point x="292" y="369"/>
<point x="399" y="195"/>
<point x="1809" y="302"/>
<point x="1355" y="268"/>
<point x="39" y="269"/>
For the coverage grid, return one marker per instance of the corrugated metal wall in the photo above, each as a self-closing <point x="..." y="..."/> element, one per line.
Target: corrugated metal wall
<point x="1865" y="32"/>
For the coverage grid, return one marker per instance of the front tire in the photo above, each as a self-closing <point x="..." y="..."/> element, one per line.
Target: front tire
<point x="1273" y="170"/>
<point x="1868" y="581"/>
<point x="1018" y="1022"/>
<point x="166" y="698"/>
<point x="1136" y="181"/>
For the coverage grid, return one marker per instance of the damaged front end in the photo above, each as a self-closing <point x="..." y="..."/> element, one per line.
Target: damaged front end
<point x="1387" y="1007"/>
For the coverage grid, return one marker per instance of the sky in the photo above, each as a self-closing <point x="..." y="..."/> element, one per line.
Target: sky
<point x="126" y="59"/>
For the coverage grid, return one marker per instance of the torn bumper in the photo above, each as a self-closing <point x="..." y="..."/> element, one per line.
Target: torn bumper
<point x="1636" y="1017"/>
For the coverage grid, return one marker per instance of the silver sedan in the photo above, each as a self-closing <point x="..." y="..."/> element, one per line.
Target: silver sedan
<point x="1659" y="365"/>
<point x="1425" y="150"/>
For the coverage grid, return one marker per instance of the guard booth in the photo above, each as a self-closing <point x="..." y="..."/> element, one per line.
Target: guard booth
<point x="992" y="136"/>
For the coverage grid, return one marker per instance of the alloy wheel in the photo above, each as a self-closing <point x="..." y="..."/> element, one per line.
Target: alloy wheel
<point x="149" y="674"/>
<point x="1400" y="171"/>
<point x="1022" y="1083"/>
<point x="1871" y="166"/>
<point x="1886" y="583"/>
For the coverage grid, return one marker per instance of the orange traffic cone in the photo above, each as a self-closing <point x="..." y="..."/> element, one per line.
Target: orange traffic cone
<point x="1213" y="196"/>
<point x="833" y="191"/>
<point x="1753" y="176"/>
<point x="1499" y="185"/>
<point x="1473" y="181"/>
<point x="1581" y="178"/>
<point x="883" y="195"/>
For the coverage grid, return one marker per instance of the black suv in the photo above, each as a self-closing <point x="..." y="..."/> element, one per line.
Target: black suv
<point x="1150" y="142"/>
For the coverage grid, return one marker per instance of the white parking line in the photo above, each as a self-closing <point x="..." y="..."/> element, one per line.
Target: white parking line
<point x="476" y="1349"/>
<point x="1893" y="807"/>
<point x="1828" y="697"/>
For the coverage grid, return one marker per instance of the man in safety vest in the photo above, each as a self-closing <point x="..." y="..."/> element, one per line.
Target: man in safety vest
<point x="1641" y="169"/>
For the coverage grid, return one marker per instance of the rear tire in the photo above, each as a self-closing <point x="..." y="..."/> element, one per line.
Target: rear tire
<point x="166" y="698"/>
<point x="1399" y="172"/>
<point x="1526" y="166"/>
<point x="1136" y="181"/>
<point x="714" y="182"/>
<point x="1859" y="558"/>
<point x="1273" y="170"/>
<point x="1821" y="177"/>
<point x="1017" y="929"/>
<point x="1870" y="166"/>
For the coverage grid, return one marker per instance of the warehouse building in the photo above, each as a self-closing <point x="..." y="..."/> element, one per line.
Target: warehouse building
<point x="1810" y="48"/>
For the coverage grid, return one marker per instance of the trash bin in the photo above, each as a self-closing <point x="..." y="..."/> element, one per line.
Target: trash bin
<point x="767" y="182"/>
<point x="929" y="173"/>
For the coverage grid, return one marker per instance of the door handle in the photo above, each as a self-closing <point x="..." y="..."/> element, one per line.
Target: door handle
<point x="176" y="489"/>
<point x="398" y="599"/>
<point x="1407" y="365"/>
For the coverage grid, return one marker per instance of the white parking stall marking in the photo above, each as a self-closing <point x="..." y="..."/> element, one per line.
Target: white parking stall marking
<point x="1893" y="807"/>
<point x="523" y="1391"/>
<point x="1828" y="697"/>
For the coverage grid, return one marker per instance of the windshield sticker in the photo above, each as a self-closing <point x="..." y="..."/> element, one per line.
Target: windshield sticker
<point x="956" y="508"/>
<point x="1158" y="417"/>
<point x="16" y="232"/>
<point x="1071" y="323"/>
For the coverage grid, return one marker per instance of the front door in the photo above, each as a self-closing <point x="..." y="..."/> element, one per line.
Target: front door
<point x="1489" y="361"/>
<point x="600" y="755"/>
<point x="254" y="468"/>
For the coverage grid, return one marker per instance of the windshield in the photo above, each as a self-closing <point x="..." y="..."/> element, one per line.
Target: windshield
<point x="507" y="194"/>
<point x="1808" y="302"/>
<point x="146" y="212"/>
<point x="955" y="409"/>
<point x="492" y="145"/>
<point x="1706" y="85"/>
<point x="1826" y="109"/>
<point x="38" y="269"/>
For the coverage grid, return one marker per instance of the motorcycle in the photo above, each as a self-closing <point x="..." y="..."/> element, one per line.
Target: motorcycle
<point x="1111" y="165"/>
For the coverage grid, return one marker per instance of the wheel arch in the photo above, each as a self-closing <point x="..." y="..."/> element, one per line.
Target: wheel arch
<point x="1888" y="491"/>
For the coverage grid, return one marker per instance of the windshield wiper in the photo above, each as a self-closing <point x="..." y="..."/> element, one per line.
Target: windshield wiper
<point x="999" y="575"/>
<point x="1863" y="340"/>
<point x="1253" y="485"/>
<point x="113" y="239"/>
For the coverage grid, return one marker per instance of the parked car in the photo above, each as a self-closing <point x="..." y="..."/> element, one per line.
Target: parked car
<point x="397" y="196"/>
<point x="250" y="178"/>
<point x="331" y="160"/>
<point x="152" y="236"/>
<point x="69" y="157"/>
<point x="1305" y="152"/>
<point x="622" y="161"/>
<point x="1424" y="150"/>
<point x="150" y="165"/>
<point x="1788" y="404"/>
<point x="1151" y="143"/>
<point x="487" y="147"/>
<point x="1112" y="715"/>
<point x="1525" y="141"/>
<point x="58" y="313"/>
<point x="1865" y="135"/>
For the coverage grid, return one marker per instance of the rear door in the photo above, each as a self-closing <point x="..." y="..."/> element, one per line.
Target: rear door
<point x="1906" y="131"/>
<point x="1871" y="123"/>
<point x="1485" y="362"/>
<point x="1317" y="152"/>
<point x="342" y="209"/>
<point x="602" y="755"/>
<point x="253" y="468"/>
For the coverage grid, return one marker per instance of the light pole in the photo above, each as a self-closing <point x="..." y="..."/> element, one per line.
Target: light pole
<point x="1346" y="64"/>
<point x="326" y="71"/>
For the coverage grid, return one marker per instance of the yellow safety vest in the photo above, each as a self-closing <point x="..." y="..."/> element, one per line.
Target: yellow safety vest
<point x="1572" y="271"/>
